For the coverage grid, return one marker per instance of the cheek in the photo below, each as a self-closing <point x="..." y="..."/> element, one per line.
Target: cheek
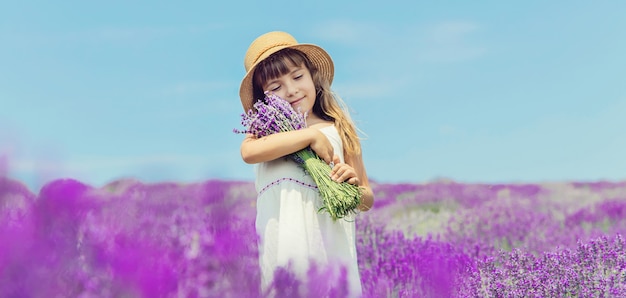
<point x="280" y="93"/>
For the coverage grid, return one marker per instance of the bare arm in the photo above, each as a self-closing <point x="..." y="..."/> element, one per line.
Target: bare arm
<point x="256" y="150"/>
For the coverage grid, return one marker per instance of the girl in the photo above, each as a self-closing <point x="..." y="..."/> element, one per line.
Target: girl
<point x="292" y="232"/>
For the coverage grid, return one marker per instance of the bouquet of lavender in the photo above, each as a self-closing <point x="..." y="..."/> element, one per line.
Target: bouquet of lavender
<point x="276" y="115"/>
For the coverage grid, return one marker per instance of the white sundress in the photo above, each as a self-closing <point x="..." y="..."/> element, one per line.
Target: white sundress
<point x="292" y="231"/>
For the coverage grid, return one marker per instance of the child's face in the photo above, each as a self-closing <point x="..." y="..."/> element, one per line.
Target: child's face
<point x="296" y="87"/>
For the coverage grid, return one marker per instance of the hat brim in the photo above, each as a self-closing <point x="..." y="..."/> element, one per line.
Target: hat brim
<point x="318" y="57"/>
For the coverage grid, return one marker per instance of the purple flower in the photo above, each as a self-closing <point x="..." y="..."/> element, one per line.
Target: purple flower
<point x="273" y="115"/>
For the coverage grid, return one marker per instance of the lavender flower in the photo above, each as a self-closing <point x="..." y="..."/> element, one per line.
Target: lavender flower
<point x="274" y="115"/>
<point x="171" y="239"/>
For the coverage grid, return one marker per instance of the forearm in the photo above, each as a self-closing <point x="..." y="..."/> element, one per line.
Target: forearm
<point x="367" y="198"/>
<point x="357" y="166"/>
<point x="256" y="150"/>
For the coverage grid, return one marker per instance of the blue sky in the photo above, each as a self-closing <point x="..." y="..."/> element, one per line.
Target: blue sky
<point x="485" y="91"/>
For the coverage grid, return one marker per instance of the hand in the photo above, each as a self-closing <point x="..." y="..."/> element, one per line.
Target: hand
<point x="322" y="146"/>
<point x="343" y="172"/>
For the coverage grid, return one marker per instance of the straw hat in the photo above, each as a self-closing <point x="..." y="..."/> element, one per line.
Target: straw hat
<point x="270" y="43"/>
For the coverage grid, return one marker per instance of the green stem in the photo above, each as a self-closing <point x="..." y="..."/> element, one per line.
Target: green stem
<point x="340" y="199"/>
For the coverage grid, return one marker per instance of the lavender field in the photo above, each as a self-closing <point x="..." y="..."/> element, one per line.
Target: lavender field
<point x="440" y="239"/>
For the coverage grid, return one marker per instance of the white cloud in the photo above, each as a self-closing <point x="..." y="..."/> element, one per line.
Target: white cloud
<point x="126" y="34"/>
<point x="366" y="89"/>
<point x="558" y="147"/>
<point x="189" y="99"/>
<point x="101" y="163"/>
<point x="448" y="42"/>
<point x="448" y="130"/>
<point x="384" y="59"/>
<point x="115" y="34"/>
<point x="196" y="87"/>
<point x="99" y="170"/>
<point x="346" y="31"/>
<point x="442" y="42"/>
<point x="450" y="31"/>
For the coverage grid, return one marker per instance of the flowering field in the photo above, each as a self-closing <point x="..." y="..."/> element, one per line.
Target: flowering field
<point x="441" y="239"/>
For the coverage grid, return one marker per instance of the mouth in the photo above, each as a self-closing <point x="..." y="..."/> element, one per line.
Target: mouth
<point x="296" y="101"/>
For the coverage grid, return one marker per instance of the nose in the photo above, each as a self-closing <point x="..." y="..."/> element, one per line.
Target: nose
<point x="292" y="89"/>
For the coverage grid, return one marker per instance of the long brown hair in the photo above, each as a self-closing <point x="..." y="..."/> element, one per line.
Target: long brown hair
<point x="328" y="105"/>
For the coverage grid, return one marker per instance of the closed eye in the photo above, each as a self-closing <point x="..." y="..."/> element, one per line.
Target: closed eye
<point x="274" y="89"/>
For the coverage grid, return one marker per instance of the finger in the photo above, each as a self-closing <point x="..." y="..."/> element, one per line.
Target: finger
<point x="329" y="160"/>
<point x="336" y="173"/>
<point x="334" y="163"/>
<point x="326" y="157"/>
<point x="336" y="159"/>
<point x="353" y="180"/>
<point x="345" y="176"/>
